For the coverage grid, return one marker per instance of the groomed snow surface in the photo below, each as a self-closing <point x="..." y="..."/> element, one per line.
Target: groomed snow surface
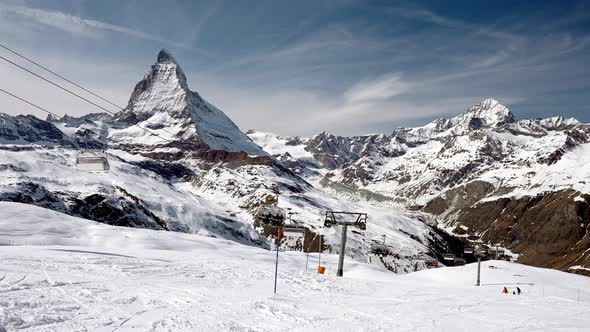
<point x="60" y="273"/>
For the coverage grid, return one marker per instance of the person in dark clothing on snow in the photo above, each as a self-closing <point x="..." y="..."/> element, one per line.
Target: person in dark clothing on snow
<point x="518" y="290"/>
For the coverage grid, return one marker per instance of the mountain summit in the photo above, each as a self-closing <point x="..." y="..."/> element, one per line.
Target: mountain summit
<point x="163" y="103"/>
<point x="487" y="114"/>
<point x="490" y="113"/>
<point x="164" y="56"/>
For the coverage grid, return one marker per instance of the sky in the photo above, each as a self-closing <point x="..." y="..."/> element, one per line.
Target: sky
<point x="302" y="67"/>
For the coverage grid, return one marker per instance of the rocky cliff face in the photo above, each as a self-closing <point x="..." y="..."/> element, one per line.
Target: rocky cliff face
<point x="548" y="230"/>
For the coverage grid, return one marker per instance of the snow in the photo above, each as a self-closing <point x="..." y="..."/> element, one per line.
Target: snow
<point x="276" y="145"/>
<point x="180" y="114"/>
<point x="579" y="267"/>
<point x="390" y="220"/>
<point x="90" y="276"/>
<point x="55" y="170"/>
<point x="489" y="113"/>
<point x="570" y="172"/>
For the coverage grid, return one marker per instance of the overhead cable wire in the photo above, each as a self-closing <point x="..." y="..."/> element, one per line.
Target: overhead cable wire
<point x="29" y="103"/>
<point x="75" y="94"/>
<point x="69" y="81"/>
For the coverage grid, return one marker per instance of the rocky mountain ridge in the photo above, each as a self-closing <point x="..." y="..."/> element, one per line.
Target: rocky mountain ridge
<point x="453" y="168"/>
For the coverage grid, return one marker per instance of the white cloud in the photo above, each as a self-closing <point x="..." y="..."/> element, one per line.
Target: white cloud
<point x="72" y="24"/>
<point x="432" y="17"/>
<point x="379" y="89"/>
<point x="303" y="83"/>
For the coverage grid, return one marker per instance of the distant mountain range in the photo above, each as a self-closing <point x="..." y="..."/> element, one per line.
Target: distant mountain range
<point x="483" y="174"/>
<point x="178" y="163"/>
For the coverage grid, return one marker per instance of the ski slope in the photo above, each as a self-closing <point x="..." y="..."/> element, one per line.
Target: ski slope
<point x="60" y="273"/>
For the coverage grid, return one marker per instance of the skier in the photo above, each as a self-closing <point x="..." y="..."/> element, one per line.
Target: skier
<point x="518" y="290"/>
<point x="505" y="290"/>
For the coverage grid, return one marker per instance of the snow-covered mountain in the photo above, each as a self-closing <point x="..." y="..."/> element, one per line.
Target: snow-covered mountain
<point x="163" y="103"/>
<point x="482" y="174"/>
<point x="26" y="129"/>
<point x="197" y="173"/>
<point x="468" y="172"/>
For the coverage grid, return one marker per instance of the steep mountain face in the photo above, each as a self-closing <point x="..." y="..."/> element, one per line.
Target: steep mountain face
<point x="194" y="171"/>
<point x="163" y="103"/>
<point x="461" y="170"/>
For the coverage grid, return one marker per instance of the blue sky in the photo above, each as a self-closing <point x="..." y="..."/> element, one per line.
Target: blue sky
<point x="301" y="67"/>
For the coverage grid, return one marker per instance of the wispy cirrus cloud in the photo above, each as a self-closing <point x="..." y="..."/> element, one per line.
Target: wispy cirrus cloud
<point x="377" y="89"/>
<point x="445" y="21"/>
<point x="75" y="24"/>
<point x="303" y="68"/>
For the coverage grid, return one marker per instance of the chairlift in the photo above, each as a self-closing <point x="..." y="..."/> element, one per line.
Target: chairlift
<point x="92" y="161"/>
<point x="448" y="257"/>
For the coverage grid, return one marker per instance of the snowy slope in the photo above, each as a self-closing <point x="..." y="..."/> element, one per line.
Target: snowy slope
<point x="216" y="202"/>
<point x="91" y="276"/>
<point x="48" y="177"/>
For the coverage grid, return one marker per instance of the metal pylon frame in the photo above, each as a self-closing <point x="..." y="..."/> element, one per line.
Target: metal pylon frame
<point x="333" y="220"/>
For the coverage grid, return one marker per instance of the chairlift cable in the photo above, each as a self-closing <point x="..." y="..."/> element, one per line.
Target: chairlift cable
<point x="70" y="81"/>
<point x="29" y="103"/>
<point x="76" y="95"/>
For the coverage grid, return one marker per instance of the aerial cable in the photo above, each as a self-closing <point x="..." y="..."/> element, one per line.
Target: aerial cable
<point x="70" y="81"/>
<point x="75" y="94"/>
<point x="60" y="76"/>
<point x="29" y="103"/>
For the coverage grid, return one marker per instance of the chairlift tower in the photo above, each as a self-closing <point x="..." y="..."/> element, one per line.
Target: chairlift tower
<point x="478" y="251"/>
<point x="332" y="220"/>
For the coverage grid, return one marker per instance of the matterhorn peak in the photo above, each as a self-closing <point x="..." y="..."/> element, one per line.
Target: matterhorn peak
<point x="163" y="103"/>
<point x="164" y="56"/>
